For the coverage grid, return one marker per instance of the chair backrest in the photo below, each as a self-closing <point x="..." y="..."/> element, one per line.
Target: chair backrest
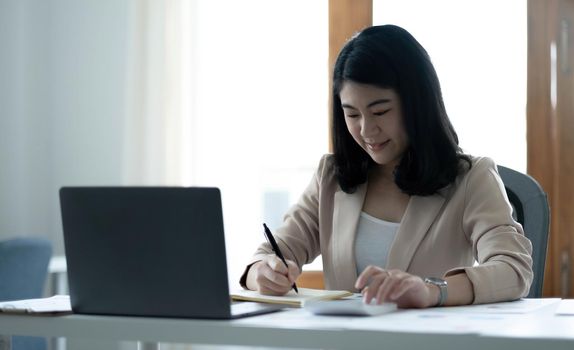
<point x="23" y="271"/>
<point x="23" y="267"/>
<point x="531" y="210"/>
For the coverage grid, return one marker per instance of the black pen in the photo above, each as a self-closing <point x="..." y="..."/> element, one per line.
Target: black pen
<point x="276" y="249"/>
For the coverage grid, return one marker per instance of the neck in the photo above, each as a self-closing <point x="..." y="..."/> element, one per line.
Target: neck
<point x="385" y="171"/>
<point x="382" y="173"/>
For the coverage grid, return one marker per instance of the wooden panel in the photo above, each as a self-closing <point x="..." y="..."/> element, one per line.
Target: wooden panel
<point x="550" y="140"/>
<point x="311" y="279"/>
<point x="565" y="137"/>
<point x="539" y="122"/>
<point x="346" y="17"/>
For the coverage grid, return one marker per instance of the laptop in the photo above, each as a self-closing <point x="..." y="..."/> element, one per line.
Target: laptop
<point x="148" y="251"/>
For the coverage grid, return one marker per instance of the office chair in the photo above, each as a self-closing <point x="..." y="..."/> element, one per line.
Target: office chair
<point x="531" y="210"/>
<point x="23" y="271"/>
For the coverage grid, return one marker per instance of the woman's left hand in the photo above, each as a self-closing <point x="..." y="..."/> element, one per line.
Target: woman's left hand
<point x="404" y="289"/>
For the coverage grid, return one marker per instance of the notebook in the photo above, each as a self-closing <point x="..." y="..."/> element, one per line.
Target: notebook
<point x="148" y="251"/>
<point x="304" y="296"/>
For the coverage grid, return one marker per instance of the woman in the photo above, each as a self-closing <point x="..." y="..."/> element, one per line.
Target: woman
<point x="398" y="212"/>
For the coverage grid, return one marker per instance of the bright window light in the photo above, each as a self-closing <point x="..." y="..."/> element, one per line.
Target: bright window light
<point x="258" y="116"/>
<point x="479" y="51"/>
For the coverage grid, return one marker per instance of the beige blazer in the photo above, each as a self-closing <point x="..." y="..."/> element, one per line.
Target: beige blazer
<point x="439" y="235"/>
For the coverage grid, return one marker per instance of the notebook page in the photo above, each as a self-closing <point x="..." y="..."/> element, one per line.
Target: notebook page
<point x="55" y="304"/>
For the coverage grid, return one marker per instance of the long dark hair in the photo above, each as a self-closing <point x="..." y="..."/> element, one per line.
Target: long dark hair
<point x="389" y="57"/>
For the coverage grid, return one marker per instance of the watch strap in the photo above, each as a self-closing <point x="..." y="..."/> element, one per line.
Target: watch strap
<point x="442" y="286"/>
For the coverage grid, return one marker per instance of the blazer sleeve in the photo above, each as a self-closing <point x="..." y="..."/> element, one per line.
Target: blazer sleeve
<point x="298" y="237"/>
<point x="503" y="253"/>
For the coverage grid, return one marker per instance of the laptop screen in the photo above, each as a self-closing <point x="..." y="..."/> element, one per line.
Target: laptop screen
<point x="146" y="251"/>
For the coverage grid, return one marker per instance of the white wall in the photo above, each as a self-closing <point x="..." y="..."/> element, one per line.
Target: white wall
<point x="62" y="99"/>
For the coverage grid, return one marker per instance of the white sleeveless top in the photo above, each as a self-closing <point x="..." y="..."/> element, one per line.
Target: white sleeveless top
<point x="373" y="241"/>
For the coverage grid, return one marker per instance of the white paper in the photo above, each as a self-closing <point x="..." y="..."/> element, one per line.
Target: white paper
<point x="431" y="321"/>
<point x="57" y="303"/>
<point x="522" y="306"/>
<point x="409" y="321"/>
<point x="474" y="319"/>
<point x="566" y="307"/>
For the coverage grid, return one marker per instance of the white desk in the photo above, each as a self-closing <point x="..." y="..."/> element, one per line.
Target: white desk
<point x="540" y="329"/>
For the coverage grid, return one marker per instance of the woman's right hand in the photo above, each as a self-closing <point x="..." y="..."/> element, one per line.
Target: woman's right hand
<point x="270" y="276"/>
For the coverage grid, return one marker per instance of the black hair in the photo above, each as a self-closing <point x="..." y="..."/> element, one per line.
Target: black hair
<point x="389" y="57"/>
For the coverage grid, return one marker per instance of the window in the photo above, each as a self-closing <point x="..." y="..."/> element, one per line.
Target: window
<point x="479" y="51"/>
<point x="258" y="120"/>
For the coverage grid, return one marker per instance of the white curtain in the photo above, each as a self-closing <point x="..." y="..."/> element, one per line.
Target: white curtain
<point x="157" y="123"/>
<point x="228" y="94"/>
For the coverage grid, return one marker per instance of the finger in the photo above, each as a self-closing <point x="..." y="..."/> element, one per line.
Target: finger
<point x="277" y="265"/>
<point x="266" y="273"/>
<point x="269" y="288"/>
<point x="276" y="277"/>
<point x="373" y="287"/>
<point x="366" y="275"/>
<point x="294" y="271"/>
<point x="266" y="281"/>
<point x="269" y="285"/>
<point x="383" y="290"/>
<point x="402" y="288"/>
<point x="387" y="285"/>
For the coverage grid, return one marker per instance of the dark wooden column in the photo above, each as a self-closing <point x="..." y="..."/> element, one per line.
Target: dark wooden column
<point x="550" y="125"/>
<point x="346" y="17"/>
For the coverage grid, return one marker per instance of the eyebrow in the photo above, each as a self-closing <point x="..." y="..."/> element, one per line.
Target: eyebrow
<point x="376" y="102"/>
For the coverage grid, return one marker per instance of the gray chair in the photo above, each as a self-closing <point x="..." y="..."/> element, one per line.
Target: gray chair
<point x="531" y="210"/>
<point x="23" y="272"/>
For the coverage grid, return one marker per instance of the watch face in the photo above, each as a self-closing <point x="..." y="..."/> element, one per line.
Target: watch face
<point x="435" y="281"/>
<point x="441" y="284"/>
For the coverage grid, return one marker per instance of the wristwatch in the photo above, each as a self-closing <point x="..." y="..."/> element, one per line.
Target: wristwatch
<point x="441" y="284"/>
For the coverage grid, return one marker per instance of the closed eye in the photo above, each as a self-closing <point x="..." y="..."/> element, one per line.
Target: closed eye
<point x="381" y="112"/>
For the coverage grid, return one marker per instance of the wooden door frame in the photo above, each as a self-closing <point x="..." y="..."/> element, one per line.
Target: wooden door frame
<point x="550" y="126"/>
<point x="346" y="17"/>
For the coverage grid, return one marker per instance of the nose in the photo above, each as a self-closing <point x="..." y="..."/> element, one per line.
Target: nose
<point x="369" y="127"/>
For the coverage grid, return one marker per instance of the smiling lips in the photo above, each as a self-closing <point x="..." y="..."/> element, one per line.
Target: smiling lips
<point x="377" y="146"/>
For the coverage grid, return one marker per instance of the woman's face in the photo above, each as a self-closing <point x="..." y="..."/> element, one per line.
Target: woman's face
<point x="374" y="118"/>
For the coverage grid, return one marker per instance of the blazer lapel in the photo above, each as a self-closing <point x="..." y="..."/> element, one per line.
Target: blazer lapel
<point x="418" y="218"/>
<point x="347" y="209"/>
